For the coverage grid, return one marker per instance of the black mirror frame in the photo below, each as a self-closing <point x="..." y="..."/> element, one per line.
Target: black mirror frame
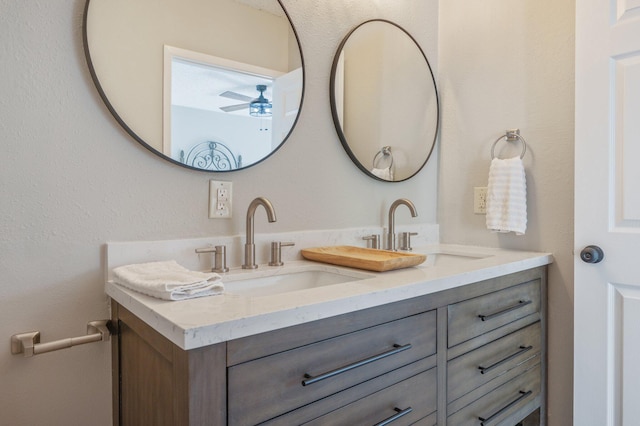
<point x="334" y="112"/>
<point x="138" y="139"/>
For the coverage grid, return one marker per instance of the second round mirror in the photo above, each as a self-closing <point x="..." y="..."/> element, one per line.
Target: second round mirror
<point x="384" y="101"/>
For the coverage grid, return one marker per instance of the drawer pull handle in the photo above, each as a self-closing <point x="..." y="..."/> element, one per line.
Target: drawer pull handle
<point x="399" y="413"/>
<point x="520" y="304"/>
<point x="522" y="350"/>
<point x="313" y="379"/>
<point x="486" y="421"/>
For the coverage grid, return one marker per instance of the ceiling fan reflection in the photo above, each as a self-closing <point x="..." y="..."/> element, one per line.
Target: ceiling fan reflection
<point x="258" y="107"/>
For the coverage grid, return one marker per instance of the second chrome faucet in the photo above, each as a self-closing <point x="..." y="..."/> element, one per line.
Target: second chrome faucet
<point x="250" y="247"/>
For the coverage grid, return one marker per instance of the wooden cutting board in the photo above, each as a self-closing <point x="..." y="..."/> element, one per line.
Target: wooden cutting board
<point x="363" y="258"/>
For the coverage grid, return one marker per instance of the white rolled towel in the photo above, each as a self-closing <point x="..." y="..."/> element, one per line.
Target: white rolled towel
<point x="168" y="280"/>
<point x="507" y="196"/>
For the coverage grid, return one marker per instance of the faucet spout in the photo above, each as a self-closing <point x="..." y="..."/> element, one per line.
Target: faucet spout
<point x="249" y="247"/>
<point x="391" y="236"/>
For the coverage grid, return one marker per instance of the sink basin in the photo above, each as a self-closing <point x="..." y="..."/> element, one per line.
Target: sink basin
<point x="446" y="258"/>
<point x="287" y="281"/>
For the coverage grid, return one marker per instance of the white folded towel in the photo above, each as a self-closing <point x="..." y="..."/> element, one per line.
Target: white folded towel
<point x="168" y="280"/>
<point x="507" y="196"/>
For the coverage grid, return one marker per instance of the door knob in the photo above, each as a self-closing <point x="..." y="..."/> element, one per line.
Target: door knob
<point x="592" y="254"/>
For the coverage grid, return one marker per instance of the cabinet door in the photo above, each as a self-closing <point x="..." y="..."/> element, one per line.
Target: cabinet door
<point x="479" y="315"/>
<point x="273" y="385"/>
<point x="402" y="404"/>
<point x="505" y="405"/>
<point x="475" y="368"/>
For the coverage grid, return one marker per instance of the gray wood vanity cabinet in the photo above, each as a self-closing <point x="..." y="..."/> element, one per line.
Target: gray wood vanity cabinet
<point x="473" y="355"/>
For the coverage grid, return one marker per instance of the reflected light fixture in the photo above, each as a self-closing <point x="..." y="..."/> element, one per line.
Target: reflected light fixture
<point x="260" y="107"/>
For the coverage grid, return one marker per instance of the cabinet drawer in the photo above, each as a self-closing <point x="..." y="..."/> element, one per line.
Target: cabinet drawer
<point x="404" y="403"/>
<point x="270" y="386"/>
<point x="479" y="315"/>
<point x="484" y="364"/>
<point x="505" y="405"/>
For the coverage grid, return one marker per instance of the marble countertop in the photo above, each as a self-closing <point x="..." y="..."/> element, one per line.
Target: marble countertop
<point x="208" y="320"/>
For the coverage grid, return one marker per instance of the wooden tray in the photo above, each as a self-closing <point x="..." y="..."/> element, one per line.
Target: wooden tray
<point x="363" y="258"/>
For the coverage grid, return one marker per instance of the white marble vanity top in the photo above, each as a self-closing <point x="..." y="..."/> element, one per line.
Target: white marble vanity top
<point x="208" y="320"/>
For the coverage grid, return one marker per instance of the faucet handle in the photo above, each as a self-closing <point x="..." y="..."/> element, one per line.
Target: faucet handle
<point x="375" y="240"/>
<point x="405" y="240"/>
<point x="276" y="252"/>
<point x="219" y="259"/>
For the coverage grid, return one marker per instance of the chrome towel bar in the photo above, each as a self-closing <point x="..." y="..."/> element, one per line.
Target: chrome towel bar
<point x="29" y="343"/>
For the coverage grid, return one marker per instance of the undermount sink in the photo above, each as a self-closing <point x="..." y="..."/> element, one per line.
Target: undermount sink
<point x="451" y="258"/>
<point x="290" y="280"/>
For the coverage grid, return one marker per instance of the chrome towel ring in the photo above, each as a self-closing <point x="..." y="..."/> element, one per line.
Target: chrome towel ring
<point x="511" y="135"/>
<point x="385" y="152"/>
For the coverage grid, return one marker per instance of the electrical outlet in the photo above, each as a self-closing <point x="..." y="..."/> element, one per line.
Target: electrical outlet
<point x="480" y="200"/>
<point x="220" y="197"/>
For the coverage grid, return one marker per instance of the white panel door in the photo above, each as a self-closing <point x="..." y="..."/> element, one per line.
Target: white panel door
<point x="287" y="94"/>
<point x="607" y="203"/>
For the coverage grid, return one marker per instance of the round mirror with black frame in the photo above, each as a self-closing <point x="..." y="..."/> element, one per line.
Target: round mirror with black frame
<point x="384" y="101"/>
<point x="208" y="85"/>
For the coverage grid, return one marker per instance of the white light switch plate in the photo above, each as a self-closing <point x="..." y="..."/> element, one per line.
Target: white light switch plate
<point x="220" y="199"/>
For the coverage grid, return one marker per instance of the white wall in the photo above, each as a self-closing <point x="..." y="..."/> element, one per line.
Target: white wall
<point x="506" y="64"/>
<point x="71" y="180"/>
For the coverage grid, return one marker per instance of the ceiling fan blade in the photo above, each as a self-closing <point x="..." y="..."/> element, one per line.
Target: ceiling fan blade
<point x="232" y="108"/>
<point x="236" y="96"/>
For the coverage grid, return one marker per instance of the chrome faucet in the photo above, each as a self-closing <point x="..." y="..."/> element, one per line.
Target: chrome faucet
<point x="250" y="247"/>
<point x="391" y="236"/>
